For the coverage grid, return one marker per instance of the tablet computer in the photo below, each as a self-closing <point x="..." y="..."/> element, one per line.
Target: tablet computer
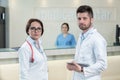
<point x="83" y="65"/>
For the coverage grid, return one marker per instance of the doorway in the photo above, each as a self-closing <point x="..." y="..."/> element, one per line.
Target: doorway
<point x="2" y="27"/>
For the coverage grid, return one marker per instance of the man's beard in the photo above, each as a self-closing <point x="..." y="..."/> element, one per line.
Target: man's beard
<point x="84" y="27"/>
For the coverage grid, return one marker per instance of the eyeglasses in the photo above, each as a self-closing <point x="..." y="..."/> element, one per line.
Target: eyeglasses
<point x="35" y="29"/>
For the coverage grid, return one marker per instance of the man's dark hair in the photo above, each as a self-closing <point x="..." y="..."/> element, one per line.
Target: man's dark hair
<point x="85" y="8"/>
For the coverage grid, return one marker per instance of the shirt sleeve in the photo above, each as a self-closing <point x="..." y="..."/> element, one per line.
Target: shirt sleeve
<point x="24" y="57"/>
<point x="73" y="41"/>
<point x="100" y="53"/>
<point x="56" y="43"/>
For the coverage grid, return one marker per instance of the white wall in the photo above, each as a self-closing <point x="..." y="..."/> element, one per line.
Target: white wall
<point x="107" y="15"/>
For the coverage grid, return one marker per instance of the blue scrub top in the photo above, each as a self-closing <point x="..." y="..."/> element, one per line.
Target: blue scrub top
<point x="65" y="42"/>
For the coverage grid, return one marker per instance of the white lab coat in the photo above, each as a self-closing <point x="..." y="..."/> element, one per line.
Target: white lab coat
<point x="36" y="70"/>
<point x="91" y="51"/>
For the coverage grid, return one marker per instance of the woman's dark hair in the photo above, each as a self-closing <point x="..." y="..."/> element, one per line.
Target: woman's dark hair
<point x="34" y="20"/>
<point x="85" y="8"/>
<point x="66" y="25"/>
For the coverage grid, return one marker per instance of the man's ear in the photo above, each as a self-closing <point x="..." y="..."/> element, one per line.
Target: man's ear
<point x="92" y="20"/>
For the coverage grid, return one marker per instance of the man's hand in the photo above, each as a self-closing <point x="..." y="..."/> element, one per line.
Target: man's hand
<point x="74" y="66"/>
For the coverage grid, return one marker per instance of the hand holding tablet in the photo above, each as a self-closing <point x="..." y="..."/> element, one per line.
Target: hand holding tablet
<point x="83" y="65"/>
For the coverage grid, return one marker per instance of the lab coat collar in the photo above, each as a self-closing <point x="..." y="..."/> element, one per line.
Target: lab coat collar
<point x="90" y="31"/>
<point x="33" y="41"/>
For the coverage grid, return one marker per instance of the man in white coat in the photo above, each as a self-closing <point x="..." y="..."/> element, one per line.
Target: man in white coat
<point x="91" y="55"/>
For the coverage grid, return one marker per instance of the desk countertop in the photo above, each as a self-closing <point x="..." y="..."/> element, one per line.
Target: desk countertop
<point x="10" y="53"/>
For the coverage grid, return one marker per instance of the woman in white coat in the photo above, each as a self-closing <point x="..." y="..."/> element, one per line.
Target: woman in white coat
<point x="32" y="59"/>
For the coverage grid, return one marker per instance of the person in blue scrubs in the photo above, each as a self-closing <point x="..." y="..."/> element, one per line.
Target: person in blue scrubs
<point x="65" y="39"/>
<point x="91" y="54"/>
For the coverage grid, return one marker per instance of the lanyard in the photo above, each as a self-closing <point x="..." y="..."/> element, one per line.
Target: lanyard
<point x="32" y="58"/>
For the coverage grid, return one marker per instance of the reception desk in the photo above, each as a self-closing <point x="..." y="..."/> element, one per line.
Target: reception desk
<point x="9" y="65"/>
<point x="11" y="56"/>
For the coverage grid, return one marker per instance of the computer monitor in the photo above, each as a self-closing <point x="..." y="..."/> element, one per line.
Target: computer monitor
<point x="117" y="36"/>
